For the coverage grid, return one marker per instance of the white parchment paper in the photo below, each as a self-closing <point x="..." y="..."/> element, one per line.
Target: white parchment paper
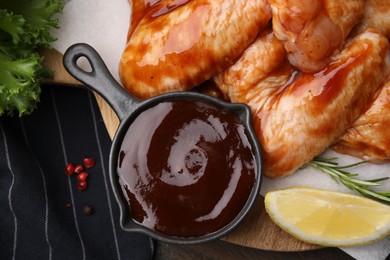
<point x="103" y="24"/>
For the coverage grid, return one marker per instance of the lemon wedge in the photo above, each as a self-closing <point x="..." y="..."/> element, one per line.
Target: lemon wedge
<point x="328" y="218"/>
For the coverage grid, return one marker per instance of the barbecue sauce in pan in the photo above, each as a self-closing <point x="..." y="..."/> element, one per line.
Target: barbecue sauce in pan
<point x="186" y="168"/>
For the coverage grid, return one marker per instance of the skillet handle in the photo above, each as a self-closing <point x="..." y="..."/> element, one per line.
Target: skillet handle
<point x="99" y="79"/>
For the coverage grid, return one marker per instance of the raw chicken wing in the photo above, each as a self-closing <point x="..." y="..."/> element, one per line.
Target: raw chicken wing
<point x="177" y="46"/>
<point x="369" y="136"/>
<point x="376" y="15"/>
<point x="258" y="60"/>
<point x="312" y="30"/>
<point x="298" y="115"/>
<point x="139" y="8"/>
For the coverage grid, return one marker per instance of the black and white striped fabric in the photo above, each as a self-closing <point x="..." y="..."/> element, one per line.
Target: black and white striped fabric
<point x="42" y="213"/>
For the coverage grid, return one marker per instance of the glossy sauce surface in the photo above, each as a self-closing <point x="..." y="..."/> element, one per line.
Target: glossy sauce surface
<point x="186" y="168"/>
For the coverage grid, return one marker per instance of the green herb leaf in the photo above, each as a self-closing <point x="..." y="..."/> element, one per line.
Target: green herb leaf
<point x="330" y="167"/>
<point x="24" y="27"/>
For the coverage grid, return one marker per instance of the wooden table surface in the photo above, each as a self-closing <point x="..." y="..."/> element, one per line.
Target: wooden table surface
<point x="225" y="250"/>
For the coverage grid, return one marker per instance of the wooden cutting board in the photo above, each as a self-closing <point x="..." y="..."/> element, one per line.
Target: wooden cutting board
<point x="256" y="231"/>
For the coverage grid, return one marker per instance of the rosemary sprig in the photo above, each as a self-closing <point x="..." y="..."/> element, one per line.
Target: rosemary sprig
<point x="329" y="166"/>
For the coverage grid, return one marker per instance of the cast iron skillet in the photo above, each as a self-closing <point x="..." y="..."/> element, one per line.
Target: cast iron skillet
<point x="128" y="108"/>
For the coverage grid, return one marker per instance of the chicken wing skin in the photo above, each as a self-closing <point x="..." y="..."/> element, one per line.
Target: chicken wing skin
<point x="174" y="49"/>
<point x="376" y="15"/>
<point x="139" y="8"/>
<point x="312" y="30"/>
<point x="369" y="136"/>
<point x="258" y="60"/>
<point x="297" y="115"/>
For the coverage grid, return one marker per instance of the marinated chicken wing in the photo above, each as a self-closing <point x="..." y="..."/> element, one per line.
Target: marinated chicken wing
<point x="312" y="30"/>
<point x="258" y="60"/>
<point x="139" y="8"/>
<point x="177" y="46"/>
<point x="297" y="115"/>
<point x="376" y="15"/>
<point x="369" y="136"/>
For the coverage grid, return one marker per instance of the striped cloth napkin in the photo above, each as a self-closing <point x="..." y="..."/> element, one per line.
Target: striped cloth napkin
<point x="43" y="215"/>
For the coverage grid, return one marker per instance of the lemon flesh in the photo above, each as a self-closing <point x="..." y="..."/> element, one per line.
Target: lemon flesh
<point x="328" y="218"/>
